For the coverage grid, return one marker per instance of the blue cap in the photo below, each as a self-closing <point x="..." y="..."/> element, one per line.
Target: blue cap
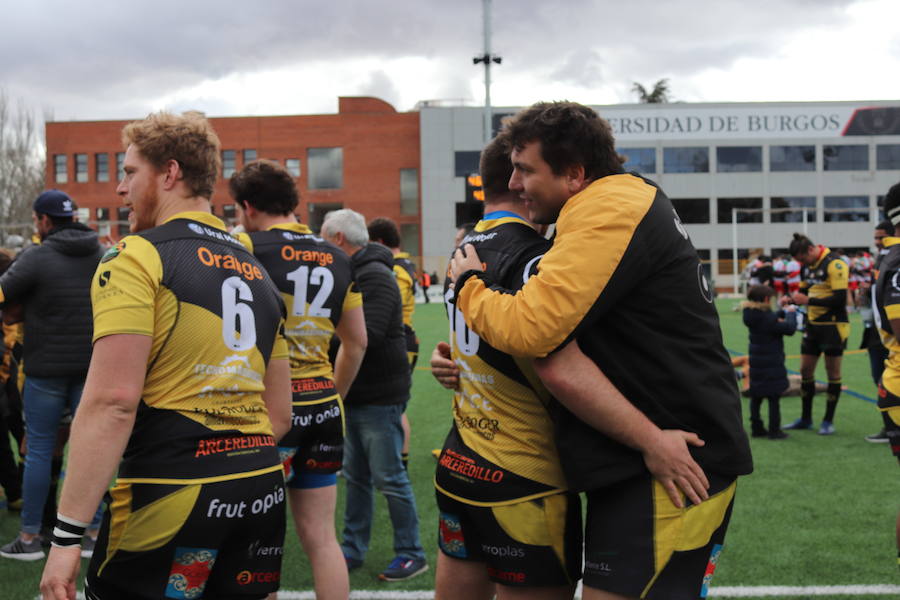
<point x="54" y="203"/>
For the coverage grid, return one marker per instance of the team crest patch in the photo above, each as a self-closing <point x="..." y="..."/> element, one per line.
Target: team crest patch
<point x="710" y="570"/>
<point x="450" y="537"/>
<point x="113" y="252"/>
<point x="190" y="570"/>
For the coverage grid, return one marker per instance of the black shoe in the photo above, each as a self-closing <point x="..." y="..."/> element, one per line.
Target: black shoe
<point x="799" y="424"/>
<point x="777" y="434"/>
<point x="878" y="438"/>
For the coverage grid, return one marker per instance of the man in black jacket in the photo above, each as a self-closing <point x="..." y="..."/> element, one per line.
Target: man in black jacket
<point x="52" y="281"/>
<point x="374" y="406"/>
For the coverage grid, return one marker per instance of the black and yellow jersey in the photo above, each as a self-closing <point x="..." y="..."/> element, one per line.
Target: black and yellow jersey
<point x="216" y="320"/>
<point x="500" y="448"/>
<point x="826" y="282"/>
<point x="405" y="272"/>
<point x="886" y="307"/>
<point x="623" y="278"/>
<point x="316" y="282"/>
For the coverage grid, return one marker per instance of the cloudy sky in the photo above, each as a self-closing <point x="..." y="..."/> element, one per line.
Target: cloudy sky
<point x="114" y="59"/>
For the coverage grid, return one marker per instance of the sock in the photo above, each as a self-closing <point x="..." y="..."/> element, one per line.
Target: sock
<point x="834" y="394"/>
<point x="404" y="457"/>
<point x="807" y="391"/>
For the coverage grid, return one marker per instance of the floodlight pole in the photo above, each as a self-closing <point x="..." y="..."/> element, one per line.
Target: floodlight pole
<point x="734" y="256"/>
<point x="487" y="58"/>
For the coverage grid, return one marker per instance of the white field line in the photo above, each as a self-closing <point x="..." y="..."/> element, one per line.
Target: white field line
<point x="751" y="591"/>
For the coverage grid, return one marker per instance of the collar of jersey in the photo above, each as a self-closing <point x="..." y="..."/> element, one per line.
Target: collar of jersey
<point x="499" y="217"/>
<point x="890" y="241"/>
<point x="295" y="227"/>
<point x="198" y="215"/>
<point x="402" y="255"/>
<point x="825" y="251"/>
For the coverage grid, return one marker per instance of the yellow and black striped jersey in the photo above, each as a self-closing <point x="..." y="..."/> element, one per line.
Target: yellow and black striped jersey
<point x="623" y="278"/>
<point x="405" y="272"/>
<point x="500" y="448"/>
<point x="886" y="307"/>
<point x="829" y="274"/>
<point x="316" y="282"/>
<point x="216" y="320"/>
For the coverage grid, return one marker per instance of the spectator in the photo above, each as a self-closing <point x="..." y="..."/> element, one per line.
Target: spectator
<point x="768" y="376"/>
<point x="871" y="340"/>
<point x="10" y="410"/>
<point x="52" y="281"/>
<point x="374" y="406"/>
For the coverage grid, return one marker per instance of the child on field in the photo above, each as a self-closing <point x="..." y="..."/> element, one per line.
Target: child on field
<point x="768" y="376"/>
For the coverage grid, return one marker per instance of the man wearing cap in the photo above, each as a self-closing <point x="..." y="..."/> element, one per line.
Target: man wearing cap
<point x="52" y="281"/>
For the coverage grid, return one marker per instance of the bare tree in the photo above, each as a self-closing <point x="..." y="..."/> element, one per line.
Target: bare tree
<point x="658" y="95"/>
<point x="21" y="167"/>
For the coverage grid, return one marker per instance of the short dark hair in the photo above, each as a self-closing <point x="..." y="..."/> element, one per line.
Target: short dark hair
<point x="570" y="134"/>
<point x="266" y="186"/>
<point x="800" y="245"/>
<point x="885" y="226"/>
<point x="760" y="293"/>
<point x="57" y="221"/>
<point x="382" y="229"/>
<point x="495" y="166"/>
<point x="892" y="205"/>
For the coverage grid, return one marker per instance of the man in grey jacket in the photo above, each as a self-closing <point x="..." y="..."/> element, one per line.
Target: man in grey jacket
<point x="52" y="283"/>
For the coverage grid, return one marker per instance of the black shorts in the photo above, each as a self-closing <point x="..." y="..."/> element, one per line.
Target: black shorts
<point x="215" y="540"/>
<point x="889" y="405"/>
<point x="637" y="543"/>
<point x="314" y="447"/>
<point x="830" y="340"/>
<point x="527" y="544"/>
<point x="412" y="346"/>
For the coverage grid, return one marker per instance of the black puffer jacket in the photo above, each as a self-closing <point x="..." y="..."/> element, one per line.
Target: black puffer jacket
<point x="384" y="374"/>
<point x="53" y="282"/>
<point x="768" y="376"/>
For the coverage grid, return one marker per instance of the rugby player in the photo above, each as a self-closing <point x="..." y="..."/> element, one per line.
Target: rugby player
<point x="824" y="291"/>
<point x="886" y="302"/>
<point x="187" y="392"/>
<point x="384" y="231"/>
<point x="316" y="282"/>
<point x="623" y="280"/>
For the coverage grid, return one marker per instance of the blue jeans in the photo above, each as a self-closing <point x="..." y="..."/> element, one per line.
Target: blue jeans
<point x="45" y="399"/>
<point x="372" y="459"/>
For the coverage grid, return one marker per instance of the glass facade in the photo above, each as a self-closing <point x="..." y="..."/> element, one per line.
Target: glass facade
<point x="692" y="210"/>
<point x="739" y="159"/>
<point x="326" y="168"/>
<point x="887" y="157"/>
<point x="466" y="162"/>
<point x="228" y="163"/>
<point x="846" y="158"/>
<point x="409" y="191"/>
<point x="792" y="158"/>
<point x="641" y="160"/>
<point x="846" y="208"/>
<point x="788" y="209"/>
<point x="752" y="214"/>
<point x="726" y="260"/>
<point x="693" y="159"/>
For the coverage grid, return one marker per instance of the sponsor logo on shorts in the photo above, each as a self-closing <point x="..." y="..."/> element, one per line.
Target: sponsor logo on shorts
<point x="503" y="551"/>
<point x="710" y="570"/>
<point x="238" y="510"/>
<point x="464" y="465"/>
<point x="256" y="550"/>
<point x="320" y="417"/>
<point x="506" y="576"/>
<point x="450" y="536"/>
<point x="486" y="428"/>
<point x="190" y="570"/>
<point x="311" y="385"/>
<point x="248" y="577"/>
<point x="313" y="464"/>
<point x="597" y="568"/>
<point x="231" y="444"/>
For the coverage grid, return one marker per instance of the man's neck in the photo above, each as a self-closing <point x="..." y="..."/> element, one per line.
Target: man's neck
<point x="169" y="207"/>
<point x="265" y="221"/>
<point x="512" y="206"/>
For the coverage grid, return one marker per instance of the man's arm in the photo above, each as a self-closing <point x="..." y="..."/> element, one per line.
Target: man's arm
<point x="277" y="395"/>
<point x="100" y="432"/>
<point x="352" y="332"/>
<point x="581" y="387"/>
<point x="381" y="297"/>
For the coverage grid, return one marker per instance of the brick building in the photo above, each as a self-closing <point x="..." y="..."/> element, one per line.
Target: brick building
<point x="365" y="157"/>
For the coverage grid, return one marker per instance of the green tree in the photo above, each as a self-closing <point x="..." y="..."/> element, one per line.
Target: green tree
<point x="658" y="95"/>
<point x="21" y="167"/>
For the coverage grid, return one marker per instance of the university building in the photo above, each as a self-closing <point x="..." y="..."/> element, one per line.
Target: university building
<point x="741" y="176"/>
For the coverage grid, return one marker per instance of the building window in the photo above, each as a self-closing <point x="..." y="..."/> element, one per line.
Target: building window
<point x="81" y="168"/>
<point x="326" y="168"/>
<point x="249" y="156"/>
<point x="293" y="166"/>
<point x="692" y="210"/>
<point x="792" y="158"/>
<point x="887" y="157"/>
<point x="122" y="226"/>
<point x="752" y="212"/>
<point x="846" y="158"/>
<point x="466" y="163"/>
<point x="409" y="191"/>
<point x="846" y="208"/>
<point x="101" y="165"/>
<point x="120" y="166"/>
<point x="409" y="238"/>
<point x="739" y="159"/>
<point x="726" y="260"/>
<point x="60" y="168"/>
<point x="686" y="160"/>
<point x="228" y="214"/>
<point x="641" y="160"/>
<point x="228" y="163"/>
<point x="789" y="209"/>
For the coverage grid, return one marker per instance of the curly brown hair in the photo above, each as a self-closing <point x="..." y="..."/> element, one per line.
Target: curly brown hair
<point x="495" y="166"/>
<point x="570" y="134"/>
<point x="187" y="138"/>
<point x="265" y="185"/>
